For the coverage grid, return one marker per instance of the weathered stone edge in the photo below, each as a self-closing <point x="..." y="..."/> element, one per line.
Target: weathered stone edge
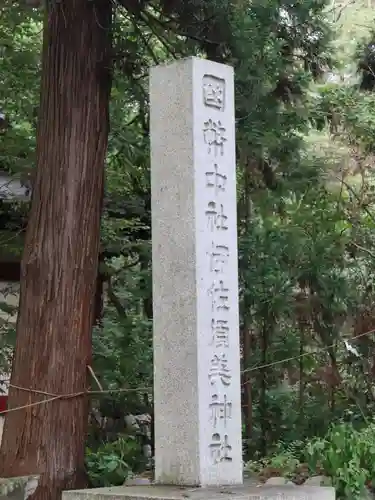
<point x="8" y="485"/>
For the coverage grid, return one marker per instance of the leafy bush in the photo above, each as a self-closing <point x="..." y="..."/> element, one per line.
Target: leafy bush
<point x="112" y="463"/>
<point x="283" y="464"/>
<point x="345" y="454"/>
<point x="348" y="456"/>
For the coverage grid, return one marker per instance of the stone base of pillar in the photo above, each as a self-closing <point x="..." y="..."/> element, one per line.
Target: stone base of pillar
<point x="245" y="492"/>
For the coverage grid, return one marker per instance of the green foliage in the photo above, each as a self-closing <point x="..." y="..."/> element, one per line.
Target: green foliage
<point x="7" y="327"/>
<point x="283" y="463"/>
<point x="347" y="455"/>
<point x="20" y="43"/>
<point x="112" y="463"/>
<point x="344" y="454"/>
<point x="122" y="350"/>
<point x="306" y="229"/>
<point x="303" y="249"/>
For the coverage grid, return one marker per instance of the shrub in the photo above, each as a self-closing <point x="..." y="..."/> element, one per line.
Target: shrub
<point x="112" y="463"/>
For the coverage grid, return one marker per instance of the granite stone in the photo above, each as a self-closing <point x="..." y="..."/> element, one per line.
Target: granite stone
<point x="195" y="275"/>
<point x="18" y="488"/>
<point x="286" y="492"/>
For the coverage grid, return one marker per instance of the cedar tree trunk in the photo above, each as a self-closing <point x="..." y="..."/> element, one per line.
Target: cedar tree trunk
<point x="60" y="261"/>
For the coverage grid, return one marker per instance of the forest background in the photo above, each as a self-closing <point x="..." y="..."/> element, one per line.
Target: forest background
<point x="305" y="110"/>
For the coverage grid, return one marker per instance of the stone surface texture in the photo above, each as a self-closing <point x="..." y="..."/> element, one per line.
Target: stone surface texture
<point x="18" y="488"/>
<point x="244" y="492"/>
<point x="318" y="481"/>
<point x="195" y="275"/>
<point x="276" y="481"/>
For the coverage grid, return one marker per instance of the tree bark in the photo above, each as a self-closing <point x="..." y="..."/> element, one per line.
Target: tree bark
<point x="247" y="338"/>
<point x="247" y="342"/>
<point x="264" y="423"/>
<point x="301" y="399"/>
<point x="60" y="260"/>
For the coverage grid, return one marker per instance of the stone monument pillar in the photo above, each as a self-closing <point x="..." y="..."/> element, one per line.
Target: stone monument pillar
<point x="195" y="293"/>
<point x="195" y="275"/>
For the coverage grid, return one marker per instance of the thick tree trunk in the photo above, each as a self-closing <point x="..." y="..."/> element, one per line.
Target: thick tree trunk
<point x="60" y="261"/>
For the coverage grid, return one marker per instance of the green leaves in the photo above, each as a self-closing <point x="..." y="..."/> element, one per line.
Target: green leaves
<point x="306" y="232"/>
<point x="112" y="463"/>
<point x="347" y="455"/>
<point x="20" y="43"/>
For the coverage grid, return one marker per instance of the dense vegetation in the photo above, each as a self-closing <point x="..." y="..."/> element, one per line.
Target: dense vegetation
<point x="305" y="140"/>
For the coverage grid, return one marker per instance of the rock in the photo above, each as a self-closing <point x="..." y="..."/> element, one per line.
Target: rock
<point x="276" y="481"/>
<point x="147" y="451"/>
<point x="135" y="422"/>
<point x="318" y="481"/>
<point x="131" y="422"/>
<point x="251" y="481"/>
<point x="367" y="495"/>
<point x="137" y="481"/>
<point x="31" y="486"/>
<point x="18" y="488"/>
<point x="250" y="474"/>
<point x="144" y="419"/>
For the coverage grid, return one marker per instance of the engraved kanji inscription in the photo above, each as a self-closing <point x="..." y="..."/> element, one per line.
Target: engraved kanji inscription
<point x="214" y="92"/>
<point x="220" y="332"/>
<point x="216" y="179"/>
<point x="220" y="296"/>
<point x="219" y="370"/>
<point x="221" y="451"/>
<point x="219" y="255"/>
<point x="220" y="409"/>
<point x="216" y="219"/>
<point x="214" y="136"/>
